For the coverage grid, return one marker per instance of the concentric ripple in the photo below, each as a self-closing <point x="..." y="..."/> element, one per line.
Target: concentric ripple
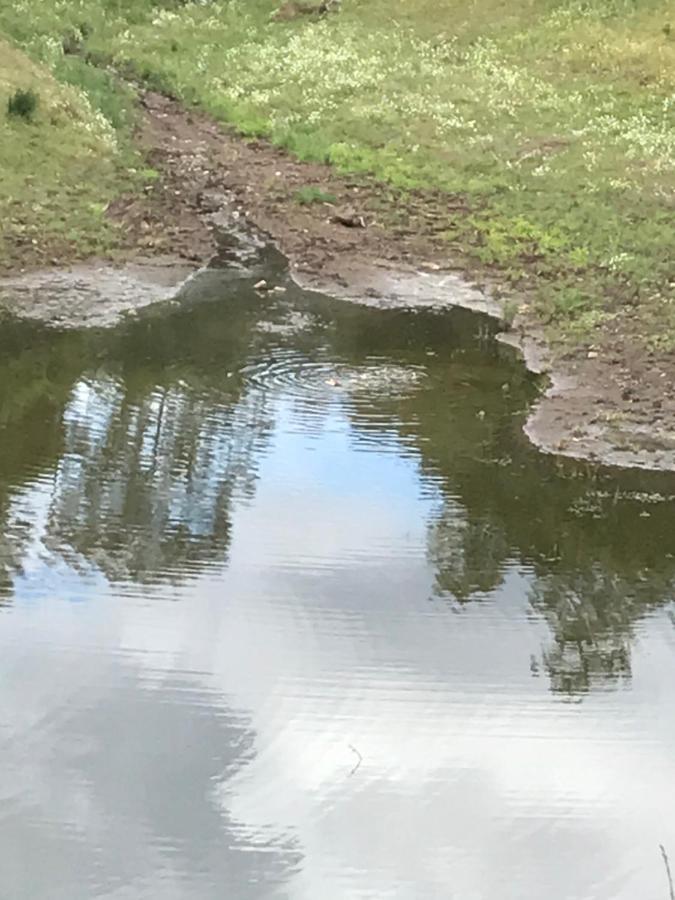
<point x="289" y="371"/>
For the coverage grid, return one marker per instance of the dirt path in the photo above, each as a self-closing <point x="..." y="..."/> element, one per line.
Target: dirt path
<point x="612" y="403"/>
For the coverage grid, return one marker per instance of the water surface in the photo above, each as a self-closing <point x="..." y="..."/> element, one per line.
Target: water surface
<point x="291" y="609"/>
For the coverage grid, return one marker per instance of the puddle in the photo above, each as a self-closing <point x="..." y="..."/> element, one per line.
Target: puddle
<point x="291" y="608"/>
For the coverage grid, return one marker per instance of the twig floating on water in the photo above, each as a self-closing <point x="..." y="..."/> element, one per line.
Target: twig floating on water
<point x="360" y="760"/>
<point x="666" y="863"/>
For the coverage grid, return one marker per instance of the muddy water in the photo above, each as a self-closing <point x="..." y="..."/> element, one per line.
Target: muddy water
<point x="291" y="609"/>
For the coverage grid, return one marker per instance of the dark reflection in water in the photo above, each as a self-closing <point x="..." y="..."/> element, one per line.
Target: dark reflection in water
<point x="372" y="566"/>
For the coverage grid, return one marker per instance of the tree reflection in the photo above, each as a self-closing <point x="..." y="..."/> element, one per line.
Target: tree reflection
<point x="593" y="613"/>
<point x="592" y="578"/>
<point x="145" y="440"/>
<point x="36" y="377"/>
<point x="468" y="556"/>
<point x="146" y="482"/>
<point x="595" y="555"/>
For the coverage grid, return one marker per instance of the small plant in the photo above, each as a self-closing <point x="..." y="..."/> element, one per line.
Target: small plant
<point x="22" y="104"/>
<point x="311" y="194"/>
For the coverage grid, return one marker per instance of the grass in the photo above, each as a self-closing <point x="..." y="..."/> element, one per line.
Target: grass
<point x="310" y="194"/>
<point x="62" y="160"/>
<point x="553" y="123"/>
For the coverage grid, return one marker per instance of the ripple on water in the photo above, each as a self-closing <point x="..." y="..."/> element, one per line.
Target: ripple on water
<point x="318" y="388"/>
<point x="289" y="371"/>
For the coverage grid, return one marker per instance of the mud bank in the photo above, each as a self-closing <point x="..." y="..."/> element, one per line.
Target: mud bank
<point x="92" y="296"/>
<point x="610" y="403"/>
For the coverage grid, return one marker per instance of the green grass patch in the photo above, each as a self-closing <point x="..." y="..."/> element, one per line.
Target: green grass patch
<point x="62" y="159"/>
<point x="310" y="194"/>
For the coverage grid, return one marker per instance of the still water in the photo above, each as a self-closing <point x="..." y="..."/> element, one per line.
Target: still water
<point x="289" y="608"/>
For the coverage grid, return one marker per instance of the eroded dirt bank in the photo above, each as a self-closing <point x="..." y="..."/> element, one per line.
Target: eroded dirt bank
<point x="611" y="402"/>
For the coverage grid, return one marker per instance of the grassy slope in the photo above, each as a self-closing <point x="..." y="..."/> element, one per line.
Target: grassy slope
<point x="61" y="168"/>
<point x="552" y="121"/>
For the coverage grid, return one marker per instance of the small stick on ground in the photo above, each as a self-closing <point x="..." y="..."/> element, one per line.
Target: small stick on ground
<point x="360" y="760"/>
<point x="666" y="863"/>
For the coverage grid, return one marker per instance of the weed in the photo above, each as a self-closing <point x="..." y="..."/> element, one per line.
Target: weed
<point x="22" y="104"/>
<point x="311" y="194"/>
<point x="149" y="175"/>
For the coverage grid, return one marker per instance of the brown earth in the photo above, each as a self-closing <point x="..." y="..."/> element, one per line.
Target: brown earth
<point x="612" y="402"/>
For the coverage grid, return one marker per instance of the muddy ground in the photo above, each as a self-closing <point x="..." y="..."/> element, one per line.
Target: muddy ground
<point x="612" y="402"/>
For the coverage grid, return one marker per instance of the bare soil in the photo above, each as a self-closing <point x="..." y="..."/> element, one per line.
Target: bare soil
<point x="612" y="402"/>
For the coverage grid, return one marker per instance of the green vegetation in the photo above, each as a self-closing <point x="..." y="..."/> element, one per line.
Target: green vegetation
<point x="62" y="159"/>
<point x="312" y="194"/>
<point x="549" y="125"/>
<point x="22" y="103"/>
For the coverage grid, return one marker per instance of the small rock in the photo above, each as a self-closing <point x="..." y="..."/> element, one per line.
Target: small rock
<point x="480" y="414"/>
<point x="279" y="289"/>
<point x="261" y="285"/>
<point x="332" y="382"/>
<point x="592" y="354"/>
<point x="349" y="219"/>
